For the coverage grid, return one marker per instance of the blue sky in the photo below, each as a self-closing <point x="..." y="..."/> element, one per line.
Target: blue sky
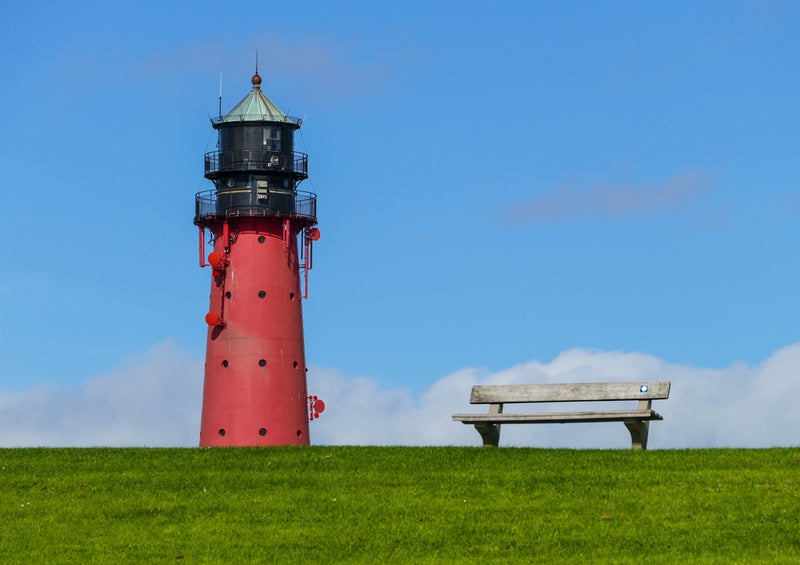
<point x="498" y="185"/>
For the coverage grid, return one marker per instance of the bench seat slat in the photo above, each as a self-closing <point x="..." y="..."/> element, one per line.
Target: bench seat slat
<point x="557" y="417"/>
<point x="571" y="392"/>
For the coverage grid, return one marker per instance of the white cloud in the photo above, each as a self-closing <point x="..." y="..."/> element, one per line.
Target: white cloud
<point x="684" y="192"/>
<point x="150" y="400"/>
<point x="738" y="406"/>
<point x="154" y="400"/>
<point x="332" y="66"/>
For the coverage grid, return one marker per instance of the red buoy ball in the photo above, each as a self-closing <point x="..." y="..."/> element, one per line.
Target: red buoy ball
<point x="212" y="318"/>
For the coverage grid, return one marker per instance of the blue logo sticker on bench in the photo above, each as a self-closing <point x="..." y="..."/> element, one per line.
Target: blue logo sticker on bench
<point x="644" y="388"/>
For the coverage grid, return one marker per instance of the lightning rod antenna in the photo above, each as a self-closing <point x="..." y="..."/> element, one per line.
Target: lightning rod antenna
<point x="220" y="96"/>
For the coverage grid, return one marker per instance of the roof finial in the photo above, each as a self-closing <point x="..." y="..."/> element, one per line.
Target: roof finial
<point x="256" y="80"/>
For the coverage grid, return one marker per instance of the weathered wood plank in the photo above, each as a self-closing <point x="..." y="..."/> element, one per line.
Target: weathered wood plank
<point x="573" y="392"/>
<point x="559" y="417"/>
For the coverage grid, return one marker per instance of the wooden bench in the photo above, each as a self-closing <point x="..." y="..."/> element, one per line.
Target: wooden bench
<point x="636" y="420"/>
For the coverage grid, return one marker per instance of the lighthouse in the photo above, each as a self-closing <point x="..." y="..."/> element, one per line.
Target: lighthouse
<point x="258" y="230"/>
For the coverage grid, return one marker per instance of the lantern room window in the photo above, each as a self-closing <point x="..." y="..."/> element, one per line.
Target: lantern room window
<point x="272" y="138"/>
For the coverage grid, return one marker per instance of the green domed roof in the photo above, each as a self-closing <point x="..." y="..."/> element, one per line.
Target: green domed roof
<point x="255" y="107"/>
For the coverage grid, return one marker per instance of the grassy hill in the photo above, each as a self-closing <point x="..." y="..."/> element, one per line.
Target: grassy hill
<point x="399" y="505"/>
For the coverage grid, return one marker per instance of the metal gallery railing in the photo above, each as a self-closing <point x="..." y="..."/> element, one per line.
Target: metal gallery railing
<point x="218" y="162"/>
<point x="298" y="203"/>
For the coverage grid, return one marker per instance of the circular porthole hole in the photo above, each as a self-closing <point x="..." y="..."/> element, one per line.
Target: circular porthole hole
<point x="222" y="432"/>
<point x="299" y="433"/>
<point x="294" y="365"/>
<point x="262" y="362"/>
<point x="261" y="294"/>
<point x="291" y="296"/>
<point x="228" y="294"/>
<point x="262" y="432"/>
<point x="224" y="362"/>
<point x="261" y="239"/>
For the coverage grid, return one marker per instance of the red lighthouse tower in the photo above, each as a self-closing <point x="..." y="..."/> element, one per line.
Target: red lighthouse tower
<point x="261" y="228"/>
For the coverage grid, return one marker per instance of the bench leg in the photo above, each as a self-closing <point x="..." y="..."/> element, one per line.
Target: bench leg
<point x="639" y="430"/>
<point x="490" y="434"/>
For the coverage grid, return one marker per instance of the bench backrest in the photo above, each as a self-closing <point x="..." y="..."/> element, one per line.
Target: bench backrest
<point x="574" y="392"/>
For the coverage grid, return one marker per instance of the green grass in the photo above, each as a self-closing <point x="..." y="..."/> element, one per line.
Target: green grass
<point x="399" y="505"/>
